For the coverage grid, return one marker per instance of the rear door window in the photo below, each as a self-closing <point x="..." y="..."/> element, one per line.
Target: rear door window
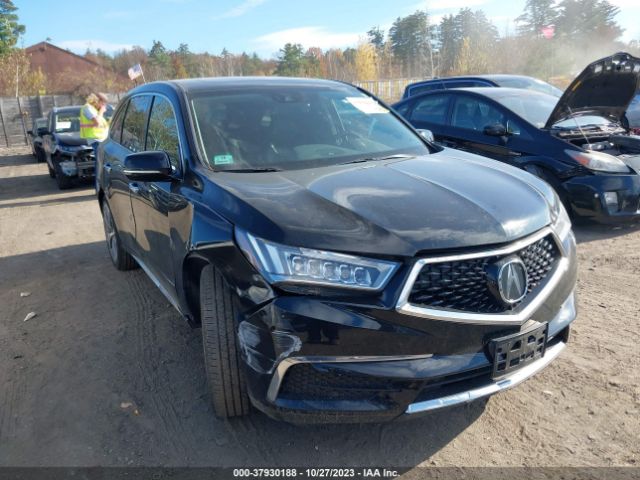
<point x="467" y="84"/>
<point x="431" y="109"/>
<point x="135" y="123"/>
<point x="429" y="87"/>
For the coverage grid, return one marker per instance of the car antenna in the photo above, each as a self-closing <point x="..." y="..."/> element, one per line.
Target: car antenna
<point x="579" y="127"/>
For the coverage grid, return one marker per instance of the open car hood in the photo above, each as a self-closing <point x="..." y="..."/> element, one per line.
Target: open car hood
<point x="606" y="88"/>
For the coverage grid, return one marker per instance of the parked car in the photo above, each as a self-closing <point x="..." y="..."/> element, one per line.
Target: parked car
<point x="68" y="156"/>
<point x="633" y="113"/>
<point x="579" y="144"/>
<point x="495" y="80"/>
<point x="341" y="267"/>
<point x="38" y="126"/>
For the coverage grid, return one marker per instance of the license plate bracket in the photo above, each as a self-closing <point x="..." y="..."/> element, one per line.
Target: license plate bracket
<point x="512" y="352"/>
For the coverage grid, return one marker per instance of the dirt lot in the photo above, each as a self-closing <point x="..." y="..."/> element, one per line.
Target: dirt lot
<point x="107" y="373"/>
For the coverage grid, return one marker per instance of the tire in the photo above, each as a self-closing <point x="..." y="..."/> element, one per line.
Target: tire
<point x="40" y="155"/>
<point x="223" y="364"/>
<point x="548" y="177"/>
<point x="62" y="180"/>
<point x="121" y="259"/>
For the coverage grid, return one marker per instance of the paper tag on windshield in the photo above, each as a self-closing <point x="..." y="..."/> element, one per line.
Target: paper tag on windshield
<point x="222" y="159"/>
<point x="367" y="105"/>
<point x="63" y="125"/>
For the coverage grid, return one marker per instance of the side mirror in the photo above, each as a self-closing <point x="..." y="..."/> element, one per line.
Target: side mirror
<point x="427" y="135"/>
<point x="30" y="132"/>
<point x="495" y="130"/>
<point x="148" y="166"/>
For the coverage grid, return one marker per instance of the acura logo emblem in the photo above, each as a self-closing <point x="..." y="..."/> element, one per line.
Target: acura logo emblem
<point x="507" y="280"/>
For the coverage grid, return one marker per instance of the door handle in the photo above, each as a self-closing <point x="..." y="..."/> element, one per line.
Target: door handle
<point x="134" y="188"/>
<point x="107" y="167"/>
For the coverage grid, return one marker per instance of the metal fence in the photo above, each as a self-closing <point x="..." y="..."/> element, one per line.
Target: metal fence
<point x="17" y="114"/>
<point x="388" y="90"/>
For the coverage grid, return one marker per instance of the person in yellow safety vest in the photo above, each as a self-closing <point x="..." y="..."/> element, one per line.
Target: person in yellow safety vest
<point x="93" y="126"/>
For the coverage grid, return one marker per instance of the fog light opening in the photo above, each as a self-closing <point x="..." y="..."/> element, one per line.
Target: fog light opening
<point x="611" y="201"/>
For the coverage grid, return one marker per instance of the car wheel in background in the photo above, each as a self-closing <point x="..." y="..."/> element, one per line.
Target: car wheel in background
<point x="550" y="178"/>
<point x="62" y="180"/>
<point x="39" y="155"/>
<point x="223" y="365"/>
<point x="121" y="259"/>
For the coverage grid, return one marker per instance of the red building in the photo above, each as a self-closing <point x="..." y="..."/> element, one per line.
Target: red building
<point x="67" y="72"/>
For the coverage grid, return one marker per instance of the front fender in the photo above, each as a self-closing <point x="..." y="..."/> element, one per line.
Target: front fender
<point x="211" y="241"/>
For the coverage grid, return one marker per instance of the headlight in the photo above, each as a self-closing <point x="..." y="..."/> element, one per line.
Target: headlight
<point x="599" y="161"/>
<point x="297" y="265"/>
<point x="560" y="221"/>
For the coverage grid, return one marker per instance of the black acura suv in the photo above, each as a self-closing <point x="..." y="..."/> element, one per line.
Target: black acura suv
<point x="342" y="268"/>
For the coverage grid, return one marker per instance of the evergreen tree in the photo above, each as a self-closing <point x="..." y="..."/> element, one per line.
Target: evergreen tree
<point x="291" y="61"/>
<point x="10" y="29"/>
<point x="537" y="15"/>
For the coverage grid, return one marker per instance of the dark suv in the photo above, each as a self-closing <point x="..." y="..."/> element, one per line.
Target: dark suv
<point x="342" y="268"/>
<point x="494" y="80"/>
<point x="68" y="156"/>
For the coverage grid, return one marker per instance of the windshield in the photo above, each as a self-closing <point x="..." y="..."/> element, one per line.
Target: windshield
<point x="297" y="127"/>
<point x="529" y="84"/>
<point x="66" y="122"/>
<point x="583" y="121"/>
<point x="535" y="109"/>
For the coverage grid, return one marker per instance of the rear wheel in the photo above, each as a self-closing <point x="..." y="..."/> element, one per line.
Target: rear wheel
<point x="221" y="352"/>
<point x="119" y="256"/>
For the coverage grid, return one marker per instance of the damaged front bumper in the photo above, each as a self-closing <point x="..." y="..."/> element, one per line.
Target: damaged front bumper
<point x="605" y="198"/>
<point x="77" y="165"/>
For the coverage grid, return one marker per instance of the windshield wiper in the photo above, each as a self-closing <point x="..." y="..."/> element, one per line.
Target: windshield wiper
<point x="252" y="170"/>
<point x="374" y="159"/>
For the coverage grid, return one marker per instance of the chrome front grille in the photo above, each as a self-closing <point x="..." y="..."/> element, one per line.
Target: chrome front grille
<point x="462" y="284"/>
<point x="460" y="288"/>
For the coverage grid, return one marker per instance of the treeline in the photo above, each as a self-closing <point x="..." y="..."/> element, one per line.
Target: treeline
<point x="577" y="31"/>
<point x="552" y="41"/>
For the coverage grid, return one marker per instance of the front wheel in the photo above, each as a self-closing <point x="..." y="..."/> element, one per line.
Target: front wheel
<point x="223" y="365"/>
<point x="119" y="256"/>
<point x="62" y="180"/>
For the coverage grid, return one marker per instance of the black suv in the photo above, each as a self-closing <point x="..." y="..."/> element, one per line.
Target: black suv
<point x="342" y="268"/>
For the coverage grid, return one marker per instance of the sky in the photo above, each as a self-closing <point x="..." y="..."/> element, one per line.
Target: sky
<point x="261" y="26"/>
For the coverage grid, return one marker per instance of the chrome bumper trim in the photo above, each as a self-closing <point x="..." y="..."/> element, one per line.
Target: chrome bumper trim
<point x="405" y="307"/>
<point x="491" y="388"/>
<point x="285" y="364"/>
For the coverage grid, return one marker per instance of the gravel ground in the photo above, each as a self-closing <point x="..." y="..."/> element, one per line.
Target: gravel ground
<point x="107" y="373"/>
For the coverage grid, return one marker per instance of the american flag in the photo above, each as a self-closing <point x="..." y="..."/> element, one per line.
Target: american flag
<point x="135" y="71"/>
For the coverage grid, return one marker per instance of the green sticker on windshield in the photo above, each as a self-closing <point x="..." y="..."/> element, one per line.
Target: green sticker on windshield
<point x="223" y="159"/>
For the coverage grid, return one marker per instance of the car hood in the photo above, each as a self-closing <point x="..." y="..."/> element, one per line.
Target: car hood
<point x="71" y="139"/>
<point x="606" y="87"/>
<point x="446" y="200"/>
